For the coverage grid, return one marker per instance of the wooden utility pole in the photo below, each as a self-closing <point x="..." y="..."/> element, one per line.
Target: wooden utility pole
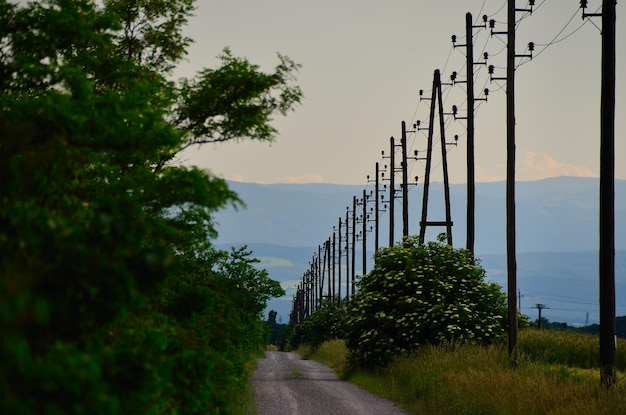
<point x="471" y="187"/>
<point x="436" y="95"/>
<point x="510" y="185"/>
<point x="330" y="258"/>
<point x="365" y="219"/>
<point x="392" y="189"/>
<point x="376" y="208"/>
<point x="333" y="265"/>
<point x="354" y="203"/>
<point x="539" y="307"/>
<point x="608" y="375"/>
<point x="339" y="265"/>
<point x="405" y="184"/>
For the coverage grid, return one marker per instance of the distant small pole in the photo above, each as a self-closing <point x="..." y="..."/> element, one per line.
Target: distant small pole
<point x="339" y="266"/>
<point x="405" y="184"/>
<point x="539" y="307"/>
<point x="376" y="208"/>
<point x="392" y="191"/>
<point x="364" y="236"/>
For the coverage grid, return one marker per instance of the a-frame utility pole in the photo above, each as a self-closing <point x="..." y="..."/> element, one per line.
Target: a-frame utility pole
<point x="436" y="98"/>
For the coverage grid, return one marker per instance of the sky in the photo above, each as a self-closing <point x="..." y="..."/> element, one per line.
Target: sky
<point x="363" y="63"/>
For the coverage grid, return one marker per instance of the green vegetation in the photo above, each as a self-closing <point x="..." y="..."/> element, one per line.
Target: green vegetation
<point x="113" y="299"/>
<point x="426" y="331"/>
<point x="470" y="379"/>
<point x="421" y="294"/>
<point x="323" y="324"/>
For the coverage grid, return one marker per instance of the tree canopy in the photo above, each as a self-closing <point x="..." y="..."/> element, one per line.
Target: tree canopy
<point x="101" y="234"/>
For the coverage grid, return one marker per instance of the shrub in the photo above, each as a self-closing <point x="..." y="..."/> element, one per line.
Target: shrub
<point x="326" y="323"/>
<point x="422" y="294"/>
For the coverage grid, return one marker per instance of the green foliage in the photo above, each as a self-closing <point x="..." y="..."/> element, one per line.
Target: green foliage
<point x="326" y="323"/>
<point x="113" y="300"/>
<point x="421" y="294"/>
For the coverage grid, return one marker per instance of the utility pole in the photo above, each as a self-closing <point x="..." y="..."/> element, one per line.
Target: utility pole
<point x="608" y="376"/>
<point x="365" y="219"/>
<point x="469" y="74"/>
<point x="405" y="184"/>
<point x="351" y="282"/>
<point x="329" y="259"/>
<point x="392" y="190"/>
<point x="436" y="96"/>
<point x="539" y="307"/>
<point x="320" y="268"/>
<point x="376" y="200"/>
<point x="510" y="184"/>
<point x="334" y="262"/>
<point x="510" y="171"/>
<point x="339" y="265"/>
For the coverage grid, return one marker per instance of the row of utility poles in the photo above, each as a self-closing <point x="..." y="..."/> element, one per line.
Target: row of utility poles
<point x="326" y="264"/>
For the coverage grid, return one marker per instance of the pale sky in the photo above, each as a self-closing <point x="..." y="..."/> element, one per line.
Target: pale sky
<point x="363" y="63"/>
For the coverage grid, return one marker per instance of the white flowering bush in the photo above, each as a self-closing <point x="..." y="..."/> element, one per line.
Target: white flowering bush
<point x="421" y="294"/>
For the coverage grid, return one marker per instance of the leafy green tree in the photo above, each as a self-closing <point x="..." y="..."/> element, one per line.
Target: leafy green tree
<point x="100" y="235"/>
<point x="421" y="294"/>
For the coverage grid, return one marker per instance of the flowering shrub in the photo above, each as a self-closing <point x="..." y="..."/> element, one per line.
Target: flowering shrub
<point x="421" y="294"/>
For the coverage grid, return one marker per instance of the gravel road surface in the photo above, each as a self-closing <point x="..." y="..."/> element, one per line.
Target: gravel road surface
<point x="286" y="384"/>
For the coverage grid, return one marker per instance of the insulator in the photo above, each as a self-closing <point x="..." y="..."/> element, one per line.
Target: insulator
<point x="531" y="46"/>
<point x="486" y="92"/>
<point x="486" y="55"/>
<point x="456" y="137"/>
<point x="531" y="2"/>
<point x="421" y="92"/>
<point x="485" y="18"/>
<point x="453" y="38"/>
<point x="492" y="23"/>
<point x="491" y="69"/>
<point x="454" y="110"/>
<point x="583" y="4"/>
<point x="453" y="76"/>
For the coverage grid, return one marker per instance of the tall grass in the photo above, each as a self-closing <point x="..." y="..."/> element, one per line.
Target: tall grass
<point x="567" y="348"/>
<point x="556" y="375"/>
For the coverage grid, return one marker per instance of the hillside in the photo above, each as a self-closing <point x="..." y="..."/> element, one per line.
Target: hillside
<point x="557" y="236"/>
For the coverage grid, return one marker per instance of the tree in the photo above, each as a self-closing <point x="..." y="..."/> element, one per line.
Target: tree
<point x="422" y="294"/>
<point x="97" y="229"/>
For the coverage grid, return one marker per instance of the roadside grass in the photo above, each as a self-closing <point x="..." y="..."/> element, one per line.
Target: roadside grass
<point x="557" y="374"/>
<point x="242" y="402"/>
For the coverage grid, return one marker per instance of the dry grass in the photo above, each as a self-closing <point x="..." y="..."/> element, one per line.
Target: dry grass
<point x="333" y="354"/>
<point x="556" y="375"/>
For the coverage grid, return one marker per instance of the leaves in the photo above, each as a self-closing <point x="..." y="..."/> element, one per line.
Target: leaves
<point x="421" y="294"/>
<point x="236" y="100"/>
<point x="113" y="299"/>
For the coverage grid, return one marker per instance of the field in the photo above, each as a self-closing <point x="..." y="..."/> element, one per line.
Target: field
<point x="557" y="374"/>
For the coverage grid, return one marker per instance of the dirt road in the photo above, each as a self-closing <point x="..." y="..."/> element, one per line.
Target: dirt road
<point x="285" y="384"/>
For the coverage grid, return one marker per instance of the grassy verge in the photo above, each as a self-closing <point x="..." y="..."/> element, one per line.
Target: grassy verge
<point x="242" y="402"/>
<point x="556" y="375"/>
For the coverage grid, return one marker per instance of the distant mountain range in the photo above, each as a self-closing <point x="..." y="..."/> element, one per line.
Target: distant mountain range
<point x="557" y="235"/>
